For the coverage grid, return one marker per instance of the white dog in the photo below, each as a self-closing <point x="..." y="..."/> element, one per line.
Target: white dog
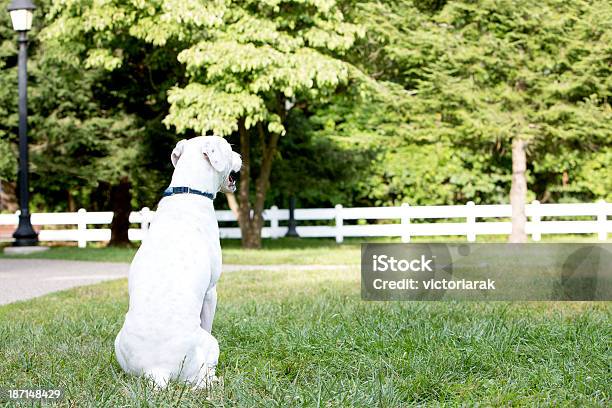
<point x="173" y="277"/>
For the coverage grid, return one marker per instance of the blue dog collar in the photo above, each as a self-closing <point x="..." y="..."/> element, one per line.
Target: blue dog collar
<point x="186" y="190"/>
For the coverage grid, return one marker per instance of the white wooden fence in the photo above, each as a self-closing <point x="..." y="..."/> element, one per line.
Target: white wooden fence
<point x="468" y="220"/>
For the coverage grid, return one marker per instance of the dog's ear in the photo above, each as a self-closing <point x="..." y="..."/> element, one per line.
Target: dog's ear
<point x="176" y="153"/>
<point x="212" y="150"/>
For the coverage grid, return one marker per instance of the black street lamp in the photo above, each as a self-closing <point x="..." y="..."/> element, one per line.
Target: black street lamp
<point x="292" y="231"/>
<point x="21" y="16"/>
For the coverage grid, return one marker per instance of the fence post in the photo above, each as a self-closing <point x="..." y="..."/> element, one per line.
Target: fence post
<point x="536" y="217"/>
<point x="602" y="220"/>
<point x="339" y="221"/>
<point x="82" y="227"/>
<point x="405" y="222"/>
<point x="471" y="221"/>
<point x="144" y="224"/>
<point x="273" y="215"/>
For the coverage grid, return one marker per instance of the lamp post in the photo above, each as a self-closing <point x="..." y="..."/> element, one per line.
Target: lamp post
<point x="292" y="231"/>
<point x="21" y="16"/>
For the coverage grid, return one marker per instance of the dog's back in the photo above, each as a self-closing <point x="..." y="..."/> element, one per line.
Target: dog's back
<point x="169" y="276"/>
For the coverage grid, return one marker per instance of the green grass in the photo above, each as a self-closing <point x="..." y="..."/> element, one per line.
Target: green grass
<point x="72" y="253"/>
<point x="285" y="252"/>
<point x="306" y="339"/>
<point x="279" y="251"/>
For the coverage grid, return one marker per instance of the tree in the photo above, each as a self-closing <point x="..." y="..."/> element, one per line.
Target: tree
<point x="424" y="108"/>
<point x="8" y="96"/>
<point x="526" y="76"/>
<point x="248" y="63"/>
<point x="529" y="73"/>
<point x="127" y="97"/>
<point x="77" y="141"/>
<point x="248" y="72"/>
<point x="80" y="144"/>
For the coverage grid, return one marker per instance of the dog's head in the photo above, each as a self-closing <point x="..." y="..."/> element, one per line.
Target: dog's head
<point x="205" y="153"/>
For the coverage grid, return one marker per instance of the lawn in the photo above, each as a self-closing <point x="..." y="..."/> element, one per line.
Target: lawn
<point x="296" y="338"/>
<point x="309" y="251"/>
<point x="282" y="251"/>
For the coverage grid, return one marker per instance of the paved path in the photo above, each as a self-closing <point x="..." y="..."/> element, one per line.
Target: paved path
<point x="22" y="279"/>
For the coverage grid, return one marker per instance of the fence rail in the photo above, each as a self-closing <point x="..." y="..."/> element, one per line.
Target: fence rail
<point x="371" y="222"/>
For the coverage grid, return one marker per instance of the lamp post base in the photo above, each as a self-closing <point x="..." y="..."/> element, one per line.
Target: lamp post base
<point x="25" y="234"/>
<point x="292" y="232"/>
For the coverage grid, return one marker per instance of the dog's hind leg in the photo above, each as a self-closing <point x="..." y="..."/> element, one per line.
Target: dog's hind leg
<point x="160" y="377"/>
<point x="119" y="352"/>
<point x="209" y="306"/>
<point x="207" y="357"/>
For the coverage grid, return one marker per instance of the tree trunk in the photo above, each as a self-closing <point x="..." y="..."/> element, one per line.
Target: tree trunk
<point x="121" y="203"/>
<point x="71" y="202"/>
<point x="99" y="197"/>
<point x="8" y="197"/>
<point x="244" y="210"/>
<point x="233" y="204"/>
<point x="518" y="191"/>
<point x="250" y="218"/>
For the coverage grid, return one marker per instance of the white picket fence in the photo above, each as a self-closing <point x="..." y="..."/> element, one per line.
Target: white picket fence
<point x="363" y="222"/>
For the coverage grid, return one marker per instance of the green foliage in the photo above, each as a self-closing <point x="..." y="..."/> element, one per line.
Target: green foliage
<point x="570" y="174"/>
<point x="88" y="126"/>
<point x="8" y="96"/>
<point x="380" y="102"/>
<point x="476" y="75"/>
<point x="240" y="56"/>
<point x="512" y="73"/>
<point x="75" y="141"/>
<point x="260" y="52"/>
<point x="318" y="171"/>
<point x="7" y="161"/>
<point x="595" y="175"/>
